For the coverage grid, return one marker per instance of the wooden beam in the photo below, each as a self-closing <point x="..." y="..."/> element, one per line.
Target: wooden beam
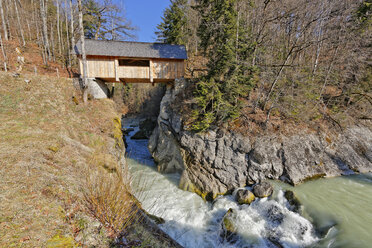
<point x="151" y="71"/>
<point x="116" y="70"/>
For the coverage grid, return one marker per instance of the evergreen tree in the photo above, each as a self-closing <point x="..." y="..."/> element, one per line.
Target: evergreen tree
<point x="173" y="28"/>
<point x="229" y="79"/>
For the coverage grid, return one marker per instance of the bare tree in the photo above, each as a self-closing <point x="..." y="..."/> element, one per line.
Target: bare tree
<point x="19" y="23"/>
<point x="4" y="54"/>
<point x="72" y="25"/>
<point x="43" y="7"/>
<point x="3" y="20"/>
<point x="83" y="54"/>
<point x="8" y="14"/>
<point x="67" y="37"/>
<point x="58" y="30"/>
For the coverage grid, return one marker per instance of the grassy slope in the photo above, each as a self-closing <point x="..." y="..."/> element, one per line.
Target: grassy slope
<point x="41" y="170"/>
<point x="54" y="156"/>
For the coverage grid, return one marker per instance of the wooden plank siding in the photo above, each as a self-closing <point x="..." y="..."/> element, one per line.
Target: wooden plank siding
<point x="159" y="70"/>
<point x="168" y="69"/>
<point x="133" y="72"/>
<point x="101" y="68"/>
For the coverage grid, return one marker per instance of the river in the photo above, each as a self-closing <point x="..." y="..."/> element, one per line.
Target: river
<point x="341" y="206"/>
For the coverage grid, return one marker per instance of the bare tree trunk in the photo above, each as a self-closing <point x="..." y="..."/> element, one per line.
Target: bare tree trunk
<point x="58" y="30"/>
<point x="29" y="29"/>
<point x="68" y="38"/>
<point x="83" y="54"/>
<point x="72" y="26"/>
<point x="52" y="40"/>
<point x="7" y="19"/>
<point x="3" y="51"/>
<point x="277" y="78"/>
<point x="45" y="28"/>
<point x="3" y="20"/>
<point x="34" y="19"/>
<point x="63" y="48"/>
<point x="19" y="23"/>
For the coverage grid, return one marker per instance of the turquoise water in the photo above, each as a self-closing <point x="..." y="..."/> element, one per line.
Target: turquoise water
<point x="345" y="202"/>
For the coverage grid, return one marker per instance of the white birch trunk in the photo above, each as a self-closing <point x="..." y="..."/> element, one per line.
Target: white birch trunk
<point x="68" y="37"/>
<point x="3" y="20"/>
<point x="3" y="51"/>
<point x="45" y="28"/>
<point x="72" y="25"/>
<point x="58" y="30"/>
<point x="83" y="54"/>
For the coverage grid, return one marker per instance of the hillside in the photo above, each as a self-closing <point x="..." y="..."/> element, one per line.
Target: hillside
<point x="61" y="168"/>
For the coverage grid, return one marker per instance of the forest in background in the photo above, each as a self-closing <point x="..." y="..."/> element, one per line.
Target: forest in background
<point x="53" y="26"/>
<point x="261" y="62"/>
<point x="269" y="61"/>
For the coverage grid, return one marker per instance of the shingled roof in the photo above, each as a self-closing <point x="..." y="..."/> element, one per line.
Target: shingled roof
<point x="132" y="49"/>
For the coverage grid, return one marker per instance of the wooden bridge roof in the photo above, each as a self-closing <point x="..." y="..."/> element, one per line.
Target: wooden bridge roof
<point x="132" y="49"/>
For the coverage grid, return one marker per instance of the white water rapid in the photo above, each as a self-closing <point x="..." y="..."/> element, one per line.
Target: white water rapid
<point x="196" y="224"/>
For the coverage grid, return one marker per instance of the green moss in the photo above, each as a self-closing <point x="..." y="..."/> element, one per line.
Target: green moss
<point x="207" y="196"/>
<point x="61" y="241"/>
<point x="247" y="200"/>
<point x="229" y="226"/>
<point x="118" y="135"/>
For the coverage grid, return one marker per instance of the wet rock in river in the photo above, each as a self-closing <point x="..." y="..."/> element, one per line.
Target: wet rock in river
<point x="147" y="126"/>
<point x="244" y="196"/>
<point x="228" y="227"/>
<point x="139" y="135"/>
<point x="293" y="201"/>
<point x="263" y="189"/>
<point x="126" y="131"/>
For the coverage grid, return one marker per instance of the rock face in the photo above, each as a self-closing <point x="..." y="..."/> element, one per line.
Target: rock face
<point x="217" y="161"/>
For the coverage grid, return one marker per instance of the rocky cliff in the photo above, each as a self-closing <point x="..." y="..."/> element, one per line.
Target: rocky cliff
<point x="217" y="161"/>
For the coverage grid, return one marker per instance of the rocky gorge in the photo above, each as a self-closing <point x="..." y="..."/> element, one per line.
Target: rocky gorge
<point x="218" y="161"/>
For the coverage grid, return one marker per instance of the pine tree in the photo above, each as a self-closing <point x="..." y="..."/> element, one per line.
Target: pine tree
<point x="229" y="78"/>
<point x="173" y="28"/>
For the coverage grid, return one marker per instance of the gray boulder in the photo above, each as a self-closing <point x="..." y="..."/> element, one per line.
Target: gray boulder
<point x="293" y="201"/>
<point x="244" y="196"/>
<point x="263" y="189"/>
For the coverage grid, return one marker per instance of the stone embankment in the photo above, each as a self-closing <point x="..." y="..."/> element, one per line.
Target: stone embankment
<point x="218" y="161"/>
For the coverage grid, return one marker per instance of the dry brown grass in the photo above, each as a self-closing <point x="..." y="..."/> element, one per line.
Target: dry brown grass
<point x="46" y="143"/>
<point x="32" y="55"/>
<point x="107" y="197"/>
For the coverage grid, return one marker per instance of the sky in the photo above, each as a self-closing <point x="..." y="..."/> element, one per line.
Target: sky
<point x="145" y="15"/>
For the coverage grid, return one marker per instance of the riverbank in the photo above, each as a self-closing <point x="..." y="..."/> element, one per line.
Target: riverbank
<point x="63" y="181"/>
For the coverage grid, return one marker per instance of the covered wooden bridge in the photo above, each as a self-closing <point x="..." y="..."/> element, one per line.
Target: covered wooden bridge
<point x="133" y="62"/>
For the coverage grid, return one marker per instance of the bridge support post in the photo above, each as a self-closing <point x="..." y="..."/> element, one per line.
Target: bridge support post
<point x="97" y="88"/>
